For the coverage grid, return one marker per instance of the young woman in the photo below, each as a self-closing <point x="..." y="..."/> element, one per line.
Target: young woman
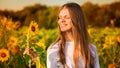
<point x="72" y="48"/>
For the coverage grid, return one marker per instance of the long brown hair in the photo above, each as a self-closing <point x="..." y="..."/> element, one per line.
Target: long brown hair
<point x="80" y="36"/>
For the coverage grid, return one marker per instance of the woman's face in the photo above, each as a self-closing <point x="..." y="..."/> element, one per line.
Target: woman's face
<point x="64" y="20"/>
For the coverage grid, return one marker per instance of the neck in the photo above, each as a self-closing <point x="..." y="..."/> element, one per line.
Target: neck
<point x="69" y="36"/>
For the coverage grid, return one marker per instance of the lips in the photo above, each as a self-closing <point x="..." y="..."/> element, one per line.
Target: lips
<point x="63" y="25"/>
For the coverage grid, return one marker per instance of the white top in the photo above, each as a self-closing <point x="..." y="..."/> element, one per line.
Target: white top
<point x="52" y="56"/>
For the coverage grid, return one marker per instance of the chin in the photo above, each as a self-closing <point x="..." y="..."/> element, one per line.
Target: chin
<point x="65" y="30"/>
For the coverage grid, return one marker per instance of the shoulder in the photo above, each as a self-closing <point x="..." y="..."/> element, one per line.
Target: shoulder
<point x="92" y="46"/>
<point x="53" y="48"/>
<point x="93" y="49"/>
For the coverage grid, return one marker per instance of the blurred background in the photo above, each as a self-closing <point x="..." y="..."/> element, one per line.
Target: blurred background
<point x="34" y="23"/>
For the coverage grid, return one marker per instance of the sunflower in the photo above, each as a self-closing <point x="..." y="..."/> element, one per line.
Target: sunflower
<point x="17" y="24"/>
<point x="15" y="49"/>
<point x="9" y="25"/>
<point x="105" y="46"/>
<point x="9" y="45"/>
<point x="4" y="55"/>
<point x="13" y="40"/>
<point x="3" y="21"/>
<point x="41" y="44"/>
<point x="33" y="28"/>
<point x="118" y="39"/>
<point x="111" y="66"/>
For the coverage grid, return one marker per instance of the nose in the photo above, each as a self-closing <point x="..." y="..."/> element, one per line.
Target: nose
<point x="62" y="20"/>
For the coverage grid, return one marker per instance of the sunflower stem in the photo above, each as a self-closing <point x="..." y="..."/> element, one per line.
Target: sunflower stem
<point x="28" y="37"/>
<point x="29" y="63"/>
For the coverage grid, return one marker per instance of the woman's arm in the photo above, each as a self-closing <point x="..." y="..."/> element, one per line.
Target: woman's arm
<point x="31" y="53"/>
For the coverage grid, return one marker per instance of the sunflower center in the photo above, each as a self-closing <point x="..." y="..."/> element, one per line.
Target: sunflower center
<point x="33" y="28"/>
<point x="12" y="41"/>
<point x="3" y="55"/>
<point x="18" y="24"/>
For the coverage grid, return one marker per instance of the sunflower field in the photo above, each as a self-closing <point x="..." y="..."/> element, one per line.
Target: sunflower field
<point x="14" y="39"/>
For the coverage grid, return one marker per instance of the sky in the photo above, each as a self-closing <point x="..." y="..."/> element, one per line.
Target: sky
<point x="20" y="4"/>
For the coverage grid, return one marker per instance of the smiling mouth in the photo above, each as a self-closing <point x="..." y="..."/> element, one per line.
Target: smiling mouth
<point x="63" y="25"/>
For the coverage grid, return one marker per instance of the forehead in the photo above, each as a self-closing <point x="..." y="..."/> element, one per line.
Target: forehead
<point x="64" y="11"/>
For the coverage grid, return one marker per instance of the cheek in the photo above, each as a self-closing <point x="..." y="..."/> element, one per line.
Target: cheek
<point x="59" y="21"/>
<point x="69" y="22"/>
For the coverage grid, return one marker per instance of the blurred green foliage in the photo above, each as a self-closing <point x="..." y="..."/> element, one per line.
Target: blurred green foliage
<point x="96" y="15"/>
